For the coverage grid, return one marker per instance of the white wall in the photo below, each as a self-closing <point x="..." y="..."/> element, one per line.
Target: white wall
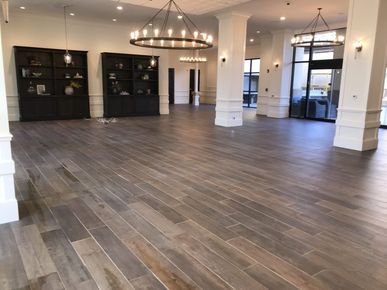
<point x="38" y="31"/>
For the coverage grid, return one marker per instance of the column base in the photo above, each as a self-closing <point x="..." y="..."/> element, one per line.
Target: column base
<point x="262" y="105"/>
<point x="164" y="104"/>
<point x="9" y="211"/>
<point x="229" y="113"/>
<point x="278" y="107"/>
<point x="357" y="129"/>
<point x="197" y="99"/>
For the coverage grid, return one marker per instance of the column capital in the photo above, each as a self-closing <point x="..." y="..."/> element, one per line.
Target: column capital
<point x="225" y="15"/>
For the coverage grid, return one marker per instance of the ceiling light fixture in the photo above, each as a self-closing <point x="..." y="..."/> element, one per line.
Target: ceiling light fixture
<point x="310" y="36"/>
<point x="119" y="7"/>
<point x="67" y="56"/>
<point x="114" y="20"/>
<point x="258" y="31"/>
<point x="282" y="18"/>
<point x="72" y="14"/>
<point x="193" y="59"/>
<point x="251" y="39"/>
<point x="22" y="7"/>
<point x="165" y="37"/>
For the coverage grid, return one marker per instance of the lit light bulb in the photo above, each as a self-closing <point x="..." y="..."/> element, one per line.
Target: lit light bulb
<point x="156" y="31"/>
<point x="153" y="62"/>
<point x="173" y="43"/>
<point x="67" y="58"/>
<point x="162" y="42"/>
<point x="180" y="17"/>
<point x="183" y="33"/>
<point x="193" y="43"/>
<point x="132" y="35"/>
<point x="144" y="32"/>
<point x="196" y="34"/>
<point x="183" y="43"/>
<point x="293" y="41"/>
<point x="151" y="41"/>
<point x="136" y="33"/>
<point x="170" y="32"/>
<point x="204" y="36"/>
<point x="341" y="38"/>
<point x="209" y="39"/>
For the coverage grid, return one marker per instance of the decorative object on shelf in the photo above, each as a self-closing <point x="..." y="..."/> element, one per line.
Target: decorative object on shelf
<point x="78" y="76"/>
<point x="119" y="65"/>
<point x="31" y="89"/>
<point x="140" y="92"/>
<point x="140" y="67"/>
<point x="40" y="89"/>
<point x="37" y="74"/>
<point x="33" y="61"/>
<point x="191" y="37"/>
<point x="153" y="61"/>
<point x="67" y="76"/>
<point x="112" y="76"/>
<point x="124" y="93"/>
<point x="26" y="72"/>
<point x="115" y="88"/>
<point x="148" y="91"/>
<point x="145" y="77"/>
<point x="67" y="56"/>
<point x="321" y="38"/>
<point x="69" y="89"/>
<point x="192" y="59"/>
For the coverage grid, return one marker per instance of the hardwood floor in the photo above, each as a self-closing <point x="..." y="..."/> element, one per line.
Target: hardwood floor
<point x="174" y="202"/>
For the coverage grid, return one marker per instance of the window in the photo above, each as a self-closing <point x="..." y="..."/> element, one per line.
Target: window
<point x="250" y="83"/>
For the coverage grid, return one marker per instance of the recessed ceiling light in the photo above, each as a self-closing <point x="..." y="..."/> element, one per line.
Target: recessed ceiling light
<point x="150" y="24"/>
<point x="180" y="16"/>
<point x="258" y="31"/>
<point x="72" y="14"/>
<point x="22" y="7"/>
<point x="119" y="7"/>
<point x="114" y="20"/>
<point x="251" y="39"/>
<point x="282" y="18"/>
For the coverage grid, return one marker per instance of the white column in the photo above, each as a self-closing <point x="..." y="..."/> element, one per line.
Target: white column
<point x="197" y="95"/>
<point x="8" y="203"/>
<point x="264" y="75"/>
<point x="231" y="56"/>
<point x="361" y="92"/>
<point x="280" y="75"/>
<point x="164" y="83"/>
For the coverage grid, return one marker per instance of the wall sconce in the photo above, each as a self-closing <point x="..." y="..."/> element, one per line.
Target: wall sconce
<point x="276" y="65"/>
<point x="358" y="46"/>
<point x="223" y="59"/>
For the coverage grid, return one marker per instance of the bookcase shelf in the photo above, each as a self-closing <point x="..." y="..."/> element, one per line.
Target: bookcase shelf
<point x="129" y="72"/>
<point x="43" y="97"/>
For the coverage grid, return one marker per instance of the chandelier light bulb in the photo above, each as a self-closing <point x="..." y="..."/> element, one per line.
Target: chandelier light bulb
<point x="293" y="41"/>
<point x="193" y="43"/>
<point x="341" y="38"/>
<point x="132" y="35"/>
<point x="170" y="31"/>
<point x="183" y="33"/>
<point x="196" y="34"/>
<point x="162" y="42"/>
<point x="144" y="32"/>
<point x="156" y="32"/>
<point x="151" y="41"/>
<point x="67" y="58"/>
<point x="136" y="33"/>
<point x="204" y="36"/>
<point x="173" y="43"/>
<point x="183" y="43"/>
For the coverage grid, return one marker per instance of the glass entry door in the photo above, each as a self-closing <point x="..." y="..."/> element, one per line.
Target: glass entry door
<point x="324" y="90"/>
<point x="250" y="83"/>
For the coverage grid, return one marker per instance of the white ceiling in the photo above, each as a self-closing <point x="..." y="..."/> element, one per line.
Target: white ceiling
<point x="265" y="14"/>
<point x="197" y="7"/>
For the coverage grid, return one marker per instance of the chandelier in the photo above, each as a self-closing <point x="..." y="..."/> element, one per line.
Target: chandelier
<point x="322" y="38"/>
<point x="67" y="56"/>
<point x="193" y="59"/>
<point x="158" y="33"/>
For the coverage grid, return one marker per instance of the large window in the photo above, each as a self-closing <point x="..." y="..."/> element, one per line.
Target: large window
<point x="250" y="83"/>
<point x="316" y="81"/>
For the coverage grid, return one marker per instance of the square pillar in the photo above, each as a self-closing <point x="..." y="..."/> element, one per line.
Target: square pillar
<point x="164" y="83"/>
<point x="264" y="76"/>
<point x="360" y="102"/>
<point x="280" y="75"/>
<point x="8" y="202"/>
<point x="231" y="57"/>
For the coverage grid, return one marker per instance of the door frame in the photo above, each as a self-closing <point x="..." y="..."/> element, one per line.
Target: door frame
<point x="171" y="88"/>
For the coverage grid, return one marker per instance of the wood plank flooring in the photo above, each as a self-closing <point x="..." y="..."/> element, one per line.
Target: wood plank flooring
<point x="173" y="202"/>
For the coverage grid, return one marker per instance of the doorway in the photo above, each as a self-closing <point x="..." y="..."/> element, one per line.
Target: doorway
<point x="316" y="80"/>
<point x="250" y="82"/>
<point x="171" y="82"/>
<point x="192" y="84"/>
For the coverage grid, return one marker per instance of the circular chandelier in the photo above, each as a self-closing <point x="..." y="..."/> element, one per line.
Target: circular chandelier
<point x="322" y="38"/>
<point x="193" y="59"/>
<point x="160" y="35"/>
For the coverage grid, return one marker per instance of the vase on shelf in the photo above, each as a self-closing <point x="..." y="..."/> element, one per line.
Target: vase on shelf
<point x="69" y="91"/>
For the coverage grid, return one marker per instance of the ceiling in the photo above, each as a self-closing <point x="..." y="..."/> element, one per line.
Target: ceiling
<point x="265" y="14"/>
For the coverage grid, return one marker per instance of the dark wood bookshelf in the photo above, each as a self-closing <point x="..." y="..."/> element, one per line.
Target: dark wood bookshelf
<point x="125" y="91"/>
<point x="51" y="72"/>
